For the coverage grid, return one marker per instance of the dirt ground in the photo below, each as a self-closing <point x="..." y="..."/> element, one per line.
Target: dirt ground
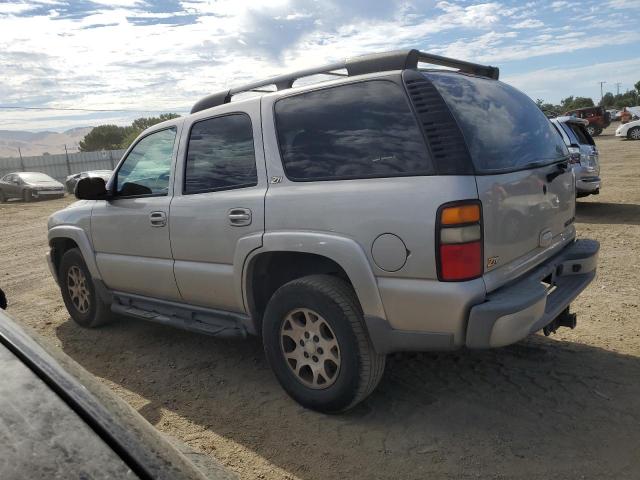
<point x="567" y="406"/>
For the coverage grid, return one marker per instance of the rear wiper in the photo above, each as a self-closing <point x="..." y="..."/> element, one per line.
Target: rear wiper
<point x="561" y="168"/>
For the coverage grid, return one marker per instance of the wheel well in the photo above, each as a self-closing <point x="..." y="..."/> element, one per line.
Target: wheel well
<point x="59" y="246"/>
<point x="269" y="271"/>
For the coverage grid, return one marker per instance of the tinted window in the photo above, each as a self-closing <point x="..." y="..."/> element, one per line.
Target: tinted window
<point x="581" y="133"/>
<point x="220" y="155"/>
<point x="361" y="130"/>
<point x="503" y="128"/>
<point x="572" y="136"/>
<point x="146" y="169"/>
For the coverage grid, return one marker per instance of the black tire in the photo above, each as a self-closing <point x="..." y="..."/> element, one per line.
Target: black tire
<point x="360" y="368"/>
<point x="634" y="133"/>
<point x="598" y="131"/>
<point x="26" y="196"/>
<point x="94" y="314"/>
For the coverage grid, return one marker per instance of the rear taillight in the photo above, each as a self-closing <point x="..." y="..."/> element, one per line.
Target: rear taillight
<point x="459" y="241"/>
<point x="574" y="155"/>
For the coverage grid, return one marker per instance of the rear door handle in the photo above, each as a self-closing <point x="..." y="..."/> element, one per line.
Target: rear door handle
<point x="158" y="219"/>
<point x="239" y="217"/>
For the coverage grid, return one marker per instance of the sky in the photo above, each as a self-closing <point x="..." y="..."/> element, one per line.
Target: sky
<point x="146" y="57"/>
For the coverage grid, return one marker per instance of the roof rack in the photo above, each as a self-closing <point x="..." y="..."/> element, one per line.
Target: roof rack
<point x="375" y="62"/>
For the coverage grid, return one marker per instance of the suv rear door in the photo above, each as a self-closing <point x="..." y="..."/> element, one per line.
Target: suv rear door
<point x="526" y="189"/>
<point x="217" y="213"/>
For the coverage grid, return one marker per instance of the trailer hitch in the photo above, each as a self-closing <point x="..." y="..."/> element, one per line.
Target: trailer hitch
<point x="565" y="319"/>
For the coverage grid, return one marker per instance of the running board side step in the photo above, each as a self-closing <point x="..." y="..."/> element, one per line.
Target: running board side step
<point x="207" y="321"/>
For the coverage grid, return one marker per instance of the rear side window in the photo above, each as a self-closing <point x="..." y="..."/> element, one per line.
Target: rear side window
<point x="360" y="130"/>
<point x="581" y="133"/>
<point x="220" y="155"/>
<point x="503" y="128"/>
<point x="569" y="132"/>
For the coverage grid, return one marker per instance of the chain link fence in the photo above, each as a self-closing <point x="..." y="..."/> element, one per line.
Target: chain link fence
<point x="61" y="165"/>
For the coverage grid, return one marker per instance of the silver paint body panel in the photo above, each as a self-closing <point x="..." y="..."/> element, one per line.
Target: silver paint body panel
<point x="201" y="259"/>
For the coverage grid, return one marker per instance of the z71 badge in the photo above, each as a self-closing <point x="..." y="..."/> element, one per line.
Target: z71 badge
<point x="492" y="262"/>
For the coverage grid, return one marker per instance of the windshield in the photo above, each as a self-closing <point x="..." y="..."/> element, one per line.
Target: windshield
<point x="503" y="128"/>
<point x="35" y="177"/>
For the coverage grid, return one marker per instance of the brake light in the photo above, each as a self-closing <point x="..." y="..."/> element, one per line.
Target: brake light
<point x="574" y="155"/>
<point x="459" y="241"/>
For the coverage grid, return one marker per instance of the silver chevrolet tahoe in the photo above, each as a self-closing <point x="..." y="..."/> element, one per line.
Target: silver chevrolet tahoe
<point x="341" y="213"/>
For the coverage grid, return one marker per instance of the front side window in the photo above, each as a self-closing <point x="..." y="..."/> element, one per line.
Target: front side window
<point x="147" y="168"/>
<point x="359" y="130"/>
<point x="220" y="155"/>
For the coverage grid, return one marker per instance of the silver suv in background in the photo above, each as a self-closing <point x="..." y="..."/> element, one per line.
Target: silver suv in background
<point x="391" y="208"/>
<point x="583" y="154"/>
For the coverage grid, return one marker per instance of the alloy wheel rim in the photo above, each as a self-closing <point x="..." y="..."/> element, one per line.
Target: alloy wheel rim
<point x="635" y="134"/>
<point x="78" y="290"/>
<point x="310" y="348"/>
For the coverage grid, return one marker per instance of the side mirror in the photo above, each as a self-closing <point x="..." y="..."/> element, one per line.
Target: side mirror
<point x="91" y="188"/>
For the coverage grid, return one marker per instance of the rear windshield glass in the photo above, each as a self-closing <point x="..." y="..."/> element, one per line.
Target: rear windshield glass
<point x="503" y="128"/>
<point x="583" y="136"/>
<point x="359" y="130"/>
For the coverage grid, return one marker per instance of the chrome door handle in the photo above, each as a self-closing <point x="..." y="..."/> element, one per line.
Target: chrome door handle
<point x="239" y="217"/>
<point x="158" y="219"/>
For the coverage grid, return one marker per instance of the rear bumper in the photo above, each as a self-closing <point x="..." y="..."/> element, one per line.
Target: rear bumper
<point x="512" y="312"/>
<point x="588" y="183"/>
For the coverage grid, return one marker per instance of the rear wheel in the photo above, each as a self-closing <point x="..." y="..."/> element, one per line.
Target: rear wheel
<point x="79" y="292"/>
<point x="634" y="133"/>
<point x="316" y="343"/>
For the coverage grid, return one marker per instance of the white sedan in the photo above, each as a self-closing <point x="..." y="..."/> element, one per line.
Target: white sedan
<point x="630" y="130"/>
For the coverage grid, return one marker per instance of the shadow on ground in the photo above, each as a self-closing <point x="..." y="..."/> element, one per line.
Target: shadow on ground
<point x="609" y="213"/>
<point x="540" y="408"/>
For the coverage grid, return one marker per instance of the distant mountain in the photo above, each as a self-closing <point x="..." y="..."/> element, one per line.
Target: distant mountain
<point x="37" y="143"/>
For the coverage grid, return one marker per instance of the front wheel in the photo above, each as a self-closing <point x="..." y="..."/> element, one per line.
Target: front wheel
<point x="315" y="341"/>
<point x="79" y="293"/>
<point x="634" y="133"/>
<point x="592" y="130"/>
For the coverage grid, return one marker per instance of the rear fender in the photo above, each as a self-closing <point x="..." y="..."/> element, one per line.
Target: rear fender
<point x="344" y="251"/>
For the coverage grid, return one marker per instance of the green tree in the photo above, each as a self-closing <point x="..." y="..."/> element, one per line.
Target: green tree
<point x="549" y="109"/>
<point x="141" y="124"/>
<point x="572" y="103"/>
<point x="113" y="137"/>
<point x="607" y="101"/>
<point x="104" y="137"/>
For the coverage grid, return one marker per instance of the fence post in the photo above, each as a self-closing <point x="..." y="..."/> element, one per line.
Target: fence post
<point x="66" y="153"/>
<point x="21" y="161"/>
<point x="111" y="159"/>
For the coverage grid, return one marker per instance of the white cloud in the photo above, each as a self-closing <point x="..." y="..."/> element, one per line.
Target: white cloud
<point x="529" y="23"/>
<point x="552" y="84"/>
<point x="128" y="55"/>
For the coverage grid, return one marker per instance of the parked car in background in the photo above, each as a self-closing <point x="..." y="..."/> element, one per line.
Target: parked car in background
<point x="29" y="186"/>
<point x="341" y="221"/>
<point x="72" y="180"/>
<point x="583" y="154"/>
<point x="614" y="114"/>
<point x="60" y="423"/>
<point x="630" y="130"/>
<point x="597" y="117"/>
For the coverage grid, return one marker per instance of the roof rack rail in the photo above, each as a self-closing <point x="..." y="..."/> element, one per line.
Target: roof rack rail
<point x="375" y="62"/>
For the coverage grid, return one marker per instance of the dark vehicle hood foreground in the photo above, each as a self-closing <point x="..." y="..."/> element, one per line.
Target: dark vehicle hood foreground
<point x="62" y="424"/>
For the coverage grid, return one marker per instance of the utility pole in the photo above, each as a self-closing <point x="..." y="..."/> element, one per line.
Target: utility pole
<point x="21" y="160"/>
<point x="68" y="164"/>
<point x="618" y="85"/>
<point x="601" y="94"/>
